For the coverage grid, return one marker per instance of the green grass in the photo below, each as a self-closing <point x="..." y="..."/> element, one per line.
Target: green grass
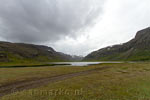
<point x="128" y="81"/>
<point x="10" y="75"/>
<point x="19" y="65"/>
<point x="140" y="55"/>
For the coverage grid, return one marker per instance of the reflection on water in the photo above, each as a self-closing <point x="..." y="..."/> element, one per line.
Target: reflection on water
<point x="80" y="63"/>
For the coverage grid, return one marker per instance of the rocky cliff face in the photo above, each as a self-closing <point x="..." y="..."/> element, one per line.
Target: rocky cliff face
<point x="137" y="49"/>
<point x="16" y="52"/>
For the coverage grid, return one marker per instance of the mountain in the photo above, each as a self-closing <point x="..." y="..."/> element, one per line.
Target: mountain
<point x="137" y="49"/>
<point x="71" y="57"/>
<point x="77" y="58"/>
<point x="20" y="52"/>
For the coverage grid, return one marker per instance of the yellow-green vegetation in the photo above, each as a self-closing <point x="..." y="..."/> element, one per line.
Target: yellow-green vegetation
<point x="10" y="75"/>
<point x="127" y="81"/>
<point x="31" y="64"/>
<point x="21" y="64"/>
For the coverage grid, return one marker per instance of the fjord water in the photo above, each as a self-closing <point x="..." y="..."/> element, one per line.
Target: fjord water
<point x="80" y="63"/>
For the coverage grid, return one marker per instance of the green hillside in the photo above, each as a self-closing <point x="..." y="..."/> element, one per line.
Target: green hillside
<point x="137" y="49"/>
<point x="22" y="53"/>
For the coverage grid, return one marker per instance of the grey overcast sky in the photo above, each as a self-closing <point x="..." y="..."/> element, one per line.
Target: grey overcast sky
<point x="73" y="26"/>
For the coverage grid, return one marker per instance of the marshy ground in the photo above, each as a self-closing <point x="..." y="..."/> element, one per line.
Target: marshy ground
<point x="126" y="81"/>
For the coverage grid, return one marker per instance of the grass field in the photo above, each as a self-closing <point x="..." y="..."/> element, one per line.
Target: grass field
<point x="127" y="81"/>
<point x="11" y="75"/>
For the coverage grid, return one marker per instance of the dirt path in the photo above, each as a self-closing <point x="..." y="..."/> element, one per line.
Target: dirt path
<point x="30" y="84"/>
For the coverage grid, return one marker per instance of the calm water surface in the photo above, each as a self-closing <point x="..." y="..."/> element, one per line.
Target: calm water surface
<point x="80" y="63"/>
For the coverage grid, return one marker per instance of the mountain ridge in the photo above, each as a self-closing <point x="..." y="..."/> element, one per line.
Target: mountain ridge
<point x="20" y="52"/>
<point x="137" y="49"/>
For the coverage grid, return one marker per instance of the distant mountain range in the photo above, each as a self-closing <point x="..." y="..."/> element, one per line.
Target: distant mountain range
<point x="137" y="49"/>
<point x="20" y="52"/>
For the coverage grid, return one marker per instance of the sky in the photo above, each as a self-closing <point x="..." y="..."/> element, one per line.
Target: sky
<point x="75" y="27"/>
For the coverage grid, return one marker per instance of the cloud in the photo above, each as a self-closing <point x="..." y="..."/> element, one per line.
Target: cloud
<point x="39" y="21"/>
<point x="120" y="21"/>
<point x="63" y="24"/>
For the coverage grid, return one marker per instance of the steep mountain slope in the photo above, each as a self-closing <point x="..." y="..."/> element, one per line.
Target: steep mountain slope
<point x="72" y="58"/>
<point x="20" y="52"/>
<point x="137" y="49"/>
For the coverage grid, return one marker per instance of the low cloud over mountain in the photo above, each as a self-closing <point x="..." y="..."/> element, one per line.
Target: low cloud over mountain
<point x="36" y="21"/>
